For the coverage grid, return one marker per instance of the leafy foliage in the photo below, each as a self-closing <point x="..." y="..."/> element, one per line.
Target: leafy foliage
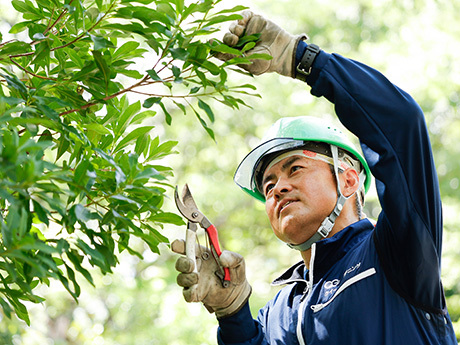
<point x="80" y="171"/>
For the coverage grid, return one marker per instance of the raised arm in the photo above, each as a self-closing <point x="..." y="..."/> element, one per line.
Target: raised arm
<point x="394" y="138"/>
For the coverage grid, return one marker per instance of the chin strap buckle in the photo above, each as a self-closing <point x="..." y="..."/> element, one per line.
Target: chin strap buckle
<point x="326" y="227"/>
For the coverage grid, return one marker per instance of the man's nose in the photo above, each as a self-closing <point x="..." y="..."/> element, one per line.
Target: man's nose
<point x="282" y="187"/>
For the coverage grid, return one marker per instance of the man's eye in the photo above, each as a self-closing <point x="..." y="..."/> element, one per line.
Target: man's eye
<point x="268" y="188"/>
<point x="294" y="168"/>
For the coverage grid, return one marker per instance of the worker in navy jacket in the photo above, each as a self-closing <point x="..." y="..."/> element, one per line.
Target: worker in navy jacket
<point x="359" y="282"/>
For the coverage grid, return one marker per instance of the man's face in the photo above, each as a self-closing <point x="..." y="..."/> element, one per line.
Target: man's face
<point x="300" y="193"/>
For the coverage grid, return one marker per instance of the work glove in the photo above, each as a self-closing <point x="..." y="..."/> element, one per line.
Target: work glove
<point x="274" y="41"/>
<point x="205" y="286"/>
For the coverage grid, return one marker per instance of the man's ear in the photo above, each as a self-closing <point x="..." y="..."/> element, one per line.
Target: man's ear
<point x="350" y="182"/>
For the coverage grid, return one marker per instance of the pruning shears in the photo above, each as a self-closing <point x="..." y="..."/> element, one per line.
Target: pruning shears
<point x="187" y="207"/>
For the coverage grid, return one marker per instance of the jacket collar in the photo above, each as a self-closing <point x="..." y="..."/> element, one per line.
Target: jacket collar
<point x="328" y="252"/>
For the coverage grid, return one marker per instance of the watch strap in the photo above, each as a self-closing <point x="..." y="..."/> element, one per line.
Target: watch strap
<point x="303" y="69"/>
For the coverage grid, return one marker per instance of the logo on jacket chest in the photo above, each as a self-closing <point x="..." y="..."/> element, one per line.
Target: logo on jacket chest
<point x="352" y="268"/>
<point x="331" y="286"/>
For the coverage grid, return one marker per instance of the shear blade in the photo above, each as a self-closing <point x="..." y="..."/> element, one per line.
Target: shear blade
<point x="187" y="198"/>
<point x="186" y="205"/>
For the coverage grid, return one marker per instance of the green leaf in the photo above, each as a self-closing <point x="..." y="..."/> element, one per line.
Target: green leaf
<point x="142" y="143"/>
<point x="80" y="171"/>
<point x="168" y="116"/>
<point x="153" y="239"/>
<point x="133" y="136"/>
<point x="131" y="28"/>
<point x="71" y="275"/>
<point x="248" y="46"/>
<point x="124" y="198"/>
<point x="245" y="39"/>
<point x="237" y="8"/>
<point x="211" y="67"/>
<point x="42" y="54"/>
<point x="20" y="310"/>
<point x="144" y="14"/>
<point x="176" y="71"/>
<point x="124" y="119"/>
<point x="260" y="56"/>
<point x="62" y="147"/>
<point x="77" y="260"/>
<point x="223" y="18"/>
<point x="181" y="107"/>
<point x="19" y="27"/>
<point x="246" y="86"/>
<point x="131" y="73"/>
<point x="23" y="7"/>
<point x="142" y="116"/>
<point x="14" y="82"/>
<point x="151" y="101"/>
<point x="75" y="58"/>
<point x="12" y="100"/>
<point x="101" y="43"/>
<point x="167" y="217"/>
<point x="41" y="213"/>
<point x="188" y="10"/>
<point x="95" y="257"/>
<point x="36" y="232"/>
<point x="223" y="48"/>
<point x="154" y="75"/>
<point x="15" y="48"/>
<point x="82" y="214"/>
<point x="102" y="65"/>
<point x="207" y="109"/>
<point x="96" y="127"/>
<point x="202" y="76"/>
<point x="179" y="53"/>
<point x="125" y="50"/>
<point x="6" y="308"/>
<point x="179" y="5"/>
<point x="149" y="173"/>
<point x="160" y="150"/>
<point x="205" y="126"/>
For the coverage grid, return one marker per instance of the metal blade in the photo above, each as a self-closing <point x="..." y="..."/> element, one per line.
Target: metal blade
<point x="186" y="205"/>
<point x="187" y="198"/>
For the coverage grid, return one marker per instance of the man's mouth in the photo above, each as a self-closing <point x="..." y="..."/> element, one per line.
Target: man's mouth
<point x="283" y="206"/>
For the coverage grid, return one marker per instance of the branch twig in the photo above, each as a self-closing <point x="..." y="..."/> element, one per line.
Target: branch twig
<point x="31" y="73"/>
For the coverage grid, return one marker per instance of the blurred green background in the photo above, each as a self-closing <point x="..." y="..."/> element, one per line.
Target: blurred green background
<point x="413" y="42"/>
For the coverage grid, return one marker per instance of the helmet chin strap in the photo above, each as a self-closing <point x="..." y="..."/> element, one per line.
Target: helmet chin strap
<point x="328" y="223"/>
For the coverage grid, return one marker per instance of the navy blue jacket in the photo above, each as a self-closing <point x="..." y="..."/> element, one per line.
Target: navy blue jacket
<point x="366" y="284"/>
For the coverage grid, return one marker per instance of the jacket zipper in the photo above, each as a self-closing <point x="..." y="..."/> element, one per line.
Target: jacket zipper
<point x="318" y="307"/>
<point x="304" y="298"/>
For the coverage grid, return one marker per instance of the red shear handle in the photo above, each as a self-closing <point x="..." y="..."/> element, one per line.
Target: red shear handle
<point x="213" y="237"/>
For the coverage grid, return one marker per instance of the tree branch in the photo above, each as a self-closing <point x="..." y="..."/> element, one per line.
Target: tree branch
<point x="73" y="41"/>
<point x="31" y="73"/>
<point x="58" y="19"/>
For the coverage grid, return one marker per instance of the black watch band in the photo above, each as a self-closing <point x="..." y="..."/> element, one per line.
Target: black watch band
<point x="303" y="69"/>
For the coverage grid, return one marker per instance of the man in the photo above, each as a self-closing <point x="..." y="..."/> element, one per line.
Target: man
<point x="357" y="283"/>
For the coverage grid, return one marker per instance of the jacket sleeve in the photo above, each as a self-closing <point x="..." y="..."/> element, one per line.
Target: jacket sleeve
<point x="394" y="138"/>
<point x="240" y="329"/>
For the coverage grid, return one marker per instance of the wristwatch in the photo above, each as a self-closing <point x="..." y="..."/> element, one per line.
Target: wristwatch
<point x="303" y="69"/>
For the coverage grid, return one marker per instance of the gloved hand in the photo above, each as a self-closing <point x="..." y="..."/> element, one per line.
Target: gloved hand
<point x="274" y="41"/>
<point x="206" y="287"/>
